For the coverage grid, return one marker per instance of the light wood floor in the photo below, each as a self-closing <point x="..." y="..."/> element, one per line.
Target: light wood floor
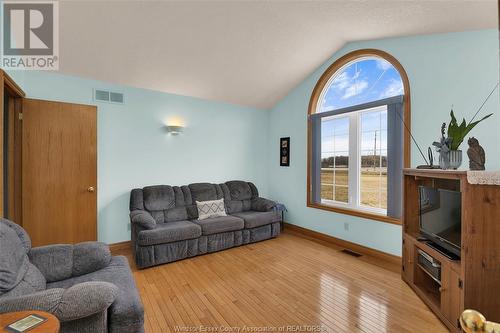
<point x="282" y="284"/>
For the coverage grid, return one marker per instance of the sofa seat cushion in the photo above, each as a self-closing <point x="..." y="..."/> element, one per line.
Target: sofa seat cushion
<point x="255" y="219"/>
<point x="215" y="225"/>
<point x="126" y="314"/>
<point x="169" y="232"/>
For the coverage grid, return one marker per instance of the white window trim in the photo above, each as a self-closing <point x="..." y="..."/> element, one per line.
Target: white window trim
<point x="354" y="188"/>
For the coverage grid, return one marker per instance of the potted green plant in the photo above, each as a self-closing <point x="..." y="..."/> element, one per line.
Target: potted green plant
<point x="450" y="156"/>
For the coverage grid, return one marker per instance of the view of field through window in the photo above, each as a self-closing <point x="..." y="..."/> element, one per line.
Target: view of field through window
<point x="364" y="80"/>
<point x="335" y="159"/>
<point x="373" y="168"/>
<point x="373" y="179"/>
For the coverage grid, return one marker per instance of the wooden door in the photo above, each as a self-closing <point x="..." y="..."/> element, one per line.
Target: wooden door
<point x="59" y="172"/>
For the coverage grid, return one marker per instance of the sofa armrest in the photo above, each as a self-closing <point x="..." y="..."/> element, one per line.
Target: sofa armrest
<point x="143" y="218"/>
<point x="59" y="262"/>
<point x="80" y="301"/>
<point x="262" y="205"/>
<point x="86" y="299"/>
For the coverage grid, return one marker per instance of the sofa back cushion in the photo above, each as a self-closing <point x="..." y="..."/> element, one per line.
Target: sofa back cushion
<point x="173" y="203"/>
<point x="240" y="190"/>
<point x="202" y="192"/>
<point x="165" y="203"/>
<point x="239" y="195"/>
<point x="17" y="275"/>
<point x="160" y="197"/>
<point x="21" y="233"/>
<point x="205" y="191"/>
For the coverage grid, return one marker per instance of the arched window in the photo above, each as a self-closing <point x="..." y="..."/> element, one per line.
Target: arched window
<point x="358" y="143"/>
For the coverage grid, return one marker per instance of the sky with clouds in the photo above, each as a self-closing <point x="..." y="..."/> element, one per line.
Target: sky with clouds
<point x="361" y="82"/>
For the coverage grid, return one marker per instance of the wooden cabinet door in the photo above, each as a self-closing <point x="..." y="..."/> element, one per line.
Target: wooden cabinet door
<point x="456" y="298"/>
<point x="59" y="172"/>
<point x="451" y="295"/>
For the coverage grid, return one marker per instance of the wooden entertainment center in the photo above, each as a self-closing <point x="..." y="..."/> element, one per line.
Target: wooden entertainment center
<point x="472" y="282"/>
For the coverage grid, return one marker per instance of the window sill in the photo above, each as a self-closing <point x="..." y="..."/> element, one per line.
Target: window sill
<point x="354" y="212"/>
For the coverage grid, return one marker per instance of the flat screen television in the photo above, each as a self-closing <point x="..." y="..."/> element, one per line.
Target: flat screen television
<point x="440" y="217"/>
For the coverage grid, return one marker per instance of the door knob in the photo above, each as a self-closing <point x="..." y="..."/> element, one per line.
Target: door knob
<point x="91" y="189"/>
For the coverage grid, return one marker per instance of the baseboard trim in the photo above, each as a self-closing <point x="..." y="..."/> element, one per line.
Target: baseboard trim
<point x="120" y="246"/>
<point x="318" y="236"/>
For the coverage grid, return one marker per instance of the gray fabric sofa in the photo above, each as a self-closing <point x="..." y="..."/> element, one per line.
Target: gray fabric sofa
<point x="165" y="225"/>
<point x="86" y="288"/>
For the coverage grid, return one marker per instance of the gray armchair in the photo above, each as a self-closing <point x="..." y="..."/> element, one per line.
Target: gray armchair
<point x="86" y="288"/>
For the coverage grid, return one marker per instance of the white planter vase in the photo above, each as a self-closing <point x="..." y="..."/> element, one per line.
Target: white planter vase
<point x="452" y="160"/>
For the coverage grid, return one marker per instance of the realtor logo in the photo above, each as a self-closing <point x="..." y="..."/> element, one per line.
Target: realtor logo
<point x="30" y="35"/>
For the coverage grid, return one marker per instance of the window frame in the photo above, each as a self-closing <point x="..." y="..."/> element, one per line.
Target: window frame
<point x="315" y="99"/>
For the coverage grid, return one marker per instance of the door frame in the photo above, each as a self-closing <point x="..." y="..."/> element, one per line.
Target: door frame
<point x="11" y="90"/>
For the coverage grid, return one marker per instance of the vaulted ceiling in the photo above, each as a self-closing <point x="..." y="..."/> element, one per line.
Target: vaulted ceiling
<point x="243" y="52"/>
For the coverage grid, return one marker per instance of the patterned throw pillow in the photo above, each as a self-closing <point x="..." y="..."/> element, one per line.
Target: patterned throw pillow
<point x="212" y="208"/>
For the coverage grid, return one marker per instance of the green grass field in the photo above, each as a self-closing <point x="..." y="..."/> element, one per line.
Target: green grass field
<point x="371" y="182"/>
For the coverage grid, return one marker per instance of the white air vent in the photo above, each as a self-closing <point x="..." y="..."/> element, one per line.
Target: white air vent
<point x="115" y="97"/>
<point x="108" y="96"/>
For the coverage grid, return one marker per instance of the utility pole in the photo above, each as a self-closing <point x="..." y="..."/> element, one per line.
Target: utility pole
<point x="375" y="152"/>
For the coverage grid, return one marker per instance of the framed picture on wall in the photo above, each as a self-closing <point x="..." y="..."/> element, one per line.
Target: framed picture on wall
<point x="285" y="151"/>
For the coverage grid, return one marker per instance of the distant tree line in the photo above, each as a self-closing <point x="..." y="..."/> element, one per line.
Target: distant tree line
<point x="343" y="161"/>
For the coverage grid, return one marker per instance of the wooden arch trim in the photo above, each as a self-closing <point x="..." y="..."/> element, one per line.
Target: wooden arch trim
<point x="313" y="102"/>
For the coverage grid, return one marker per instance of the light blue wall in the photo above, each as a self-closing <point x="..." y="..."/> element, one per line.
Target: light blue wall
<point x="224" y="141"/>
<point x="445" y="69"/>
<point x="221" y="142"/>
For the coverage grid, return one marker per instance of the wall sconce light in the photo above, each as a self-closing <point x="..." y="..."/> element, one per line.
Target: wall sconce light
<point x="174" y="130"/>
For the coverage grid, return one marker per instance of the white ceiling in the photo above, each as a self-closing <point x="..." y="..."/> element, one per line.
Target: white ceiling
<point x="248" y="53"/>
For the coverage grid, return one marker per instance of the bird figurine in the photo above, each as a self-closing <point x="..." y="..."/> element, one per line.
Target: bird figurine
<point x="476" y="154"/>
